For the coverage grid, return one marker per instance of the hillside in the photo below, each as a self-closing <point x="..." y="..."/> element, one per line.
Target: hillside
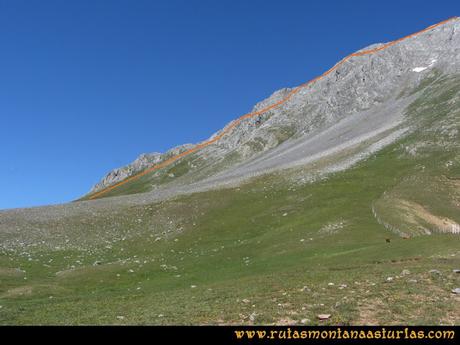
<point x="298" y="125"/>
<point x="343" y="201"/>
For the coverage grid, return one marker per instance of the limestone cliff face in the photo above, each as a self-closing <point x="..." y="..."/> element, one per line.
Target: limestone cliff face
<point x="357" y="85"/>
<point x="145" y="160"/>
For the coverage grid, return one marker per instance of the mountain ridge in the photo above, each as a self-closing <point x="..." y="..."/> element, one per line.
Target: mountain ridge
<point x="278" y="98"/>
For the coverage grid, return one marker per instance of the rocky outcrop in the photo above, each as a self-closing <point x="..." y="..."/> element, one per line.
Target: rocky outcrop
<point x="145" y="160"/>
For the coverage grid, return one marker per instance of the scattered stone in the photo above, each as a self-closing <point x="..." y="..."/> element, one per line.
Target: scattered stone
<point x="119" y="317"/>
<point x="405" y="272"/>
<point x="305" y="289"/>
<point x="343" y="286"/>
<point x="160" y="315"/>
<point x="304" y="321"/>
<point x="389" y="279"/>
<point x="330" y="284"/>
<point x="456" y="271"/>
<point x="245" y="300"/>
<point x="413" y="281"/>
<point x="434" y="272"/>
<point x="193" y="286"/>
<point x="324" y="316"/>
<point x="456" y="291"/>
<point x="284" y="214"/>
<point x="252" y="317"/>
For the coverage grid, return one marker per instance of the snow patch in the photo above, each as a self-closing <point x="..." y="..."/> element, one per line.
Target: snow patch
<point x="421" y="69"/>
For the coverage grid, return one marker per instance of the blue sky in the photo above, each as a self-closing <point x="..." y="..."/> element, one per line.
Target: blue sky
<point x="86" y="86"/>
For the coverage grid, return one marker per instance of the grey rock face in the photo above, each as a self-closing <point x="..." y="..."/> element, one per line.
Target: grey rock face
<point x="142" y="162"/>
<point x="361" y="83"/>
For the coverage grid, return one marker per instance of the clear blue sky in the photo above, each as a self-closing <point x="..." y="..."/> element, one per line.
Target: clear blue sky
<point x="86" y="86"/>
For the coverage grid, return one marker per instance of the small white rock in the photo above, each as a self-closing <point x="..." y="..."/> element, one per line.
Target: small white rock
<point x="324" y="316"/>
<point x="405" y="272"/>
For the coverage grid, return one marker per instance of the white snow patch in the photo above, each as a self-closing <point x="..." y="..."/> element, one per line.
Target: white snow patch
<point x="419" y="69"/>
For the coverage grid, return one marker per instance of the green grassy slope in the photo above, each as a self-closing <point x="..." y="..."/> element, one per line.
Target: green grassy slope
<point x="269" y="251"/>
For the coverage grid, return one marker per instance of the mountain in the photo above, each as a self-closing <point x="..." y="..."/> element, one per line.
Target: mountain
<point x="313" y="122"/>
<point x="344" y="200"/>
